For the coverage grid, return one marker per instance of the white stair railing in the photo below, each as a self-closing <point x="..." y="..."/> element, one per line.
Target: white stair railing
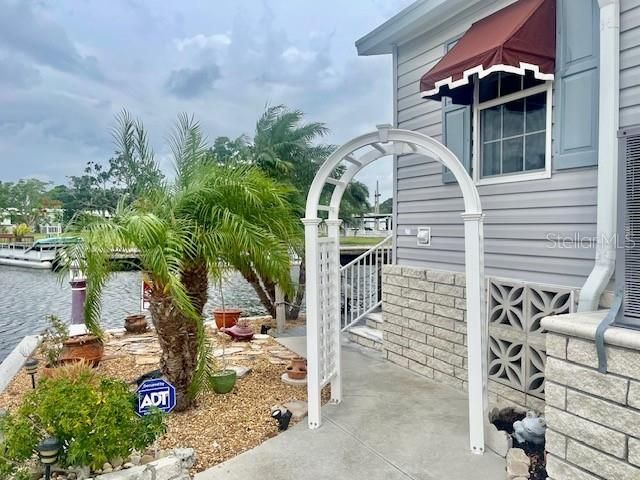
<point x="360" y="283"/>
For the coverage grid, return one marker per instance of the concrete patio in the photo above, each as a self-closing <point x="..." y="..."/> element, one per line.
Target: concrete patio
<point x="392" y="424"/>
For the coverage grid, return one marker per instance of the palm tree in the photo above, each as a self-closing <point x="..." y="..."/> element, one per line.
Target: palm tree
<point x="185" y="232"/>
<point x="284" y="148"/>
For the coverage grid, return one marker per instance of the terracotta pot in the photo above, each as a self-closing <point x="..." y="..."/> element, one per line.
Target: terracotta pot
<point x="87" y="347"/>
<point x="227" y="317"/>
<point x="223" y="381"/>
<point x="135" y="323"/>
<point x="297" y="369"/>
<point x="47" y="370"/>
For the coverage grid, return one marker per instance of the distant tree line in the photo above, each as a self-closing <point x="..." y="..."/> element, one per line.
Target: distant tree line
<point x="282" y="146"/>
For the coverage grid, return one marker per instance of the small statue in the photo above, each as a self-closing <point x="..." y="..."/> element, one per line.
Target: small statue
<point x="530" y="429"/>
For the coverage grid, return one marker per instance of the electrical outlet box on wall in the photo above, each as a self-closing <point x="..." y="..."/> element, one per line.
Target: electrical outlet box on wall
<point x="424" y="236"/>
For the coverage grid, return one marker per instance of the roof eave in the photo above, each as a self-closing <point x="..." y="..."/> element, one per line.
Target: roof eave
<point x="414" y="20"/>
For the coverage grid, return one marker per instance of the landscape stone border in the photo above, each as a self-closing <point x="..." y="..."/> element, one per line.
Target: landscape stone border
<point x="175" y="466"/>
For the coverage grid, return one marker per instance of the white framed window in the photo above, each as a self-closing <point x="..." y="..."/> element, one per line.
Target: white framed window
<point x="511" y="129"/>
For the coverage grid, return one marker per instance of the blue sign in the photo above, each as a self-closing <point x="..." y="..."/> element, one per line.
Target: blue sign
<point x="155" y="393"/>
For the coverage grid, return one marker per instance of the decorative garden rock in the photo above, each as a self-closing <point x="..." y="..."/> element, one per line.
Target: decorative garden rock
<point x="174" y="466"/>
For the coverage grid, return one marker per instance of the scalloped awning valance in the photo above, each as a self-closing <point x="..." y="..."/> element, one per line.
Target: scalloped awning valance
<point x="517" y="38"/>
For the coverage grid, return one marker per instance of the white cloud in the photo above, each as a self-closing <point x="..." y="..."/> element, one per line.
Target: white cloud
<point x="217" y="40"/>
<point x="295" y="55"/>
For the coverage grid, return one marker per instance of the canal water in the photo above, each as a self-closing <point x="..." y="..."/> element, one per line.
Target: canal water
<point x="28" y="296"/>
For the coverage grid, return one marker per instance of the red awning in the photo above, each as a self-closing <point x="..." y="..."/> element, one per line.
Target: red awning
<point x="517" y="38"/>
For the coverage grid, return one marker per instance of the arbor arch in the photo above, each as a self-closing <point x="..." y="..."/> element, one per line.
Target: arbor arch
<point x="322" y="267"/>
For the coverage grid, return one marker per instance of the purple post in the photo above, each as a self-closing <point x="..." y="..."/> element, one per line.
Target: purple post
<point x="78" y="284"/>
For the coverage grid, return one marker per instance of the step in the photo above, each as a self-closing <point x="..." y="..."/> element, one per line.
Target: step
<point x="366" y="336"/>
<point x="375" y="320"/>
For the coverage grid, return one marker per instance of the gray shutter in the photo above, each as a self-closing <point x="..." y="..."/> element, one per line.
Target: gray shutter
<point x="628" y="241"/>
<point x="456" y="135"/>
<point x="576" y="85"/>
<point x="456" y="129"/>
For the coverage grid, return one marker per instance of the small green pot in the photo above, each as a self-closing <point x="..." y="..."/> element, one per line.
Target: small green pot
<point x="223" y="381"/>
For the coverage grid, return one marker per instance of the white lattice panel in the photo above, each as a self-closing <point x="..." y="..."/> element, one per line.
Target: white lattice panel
<point x="329" y="299"/>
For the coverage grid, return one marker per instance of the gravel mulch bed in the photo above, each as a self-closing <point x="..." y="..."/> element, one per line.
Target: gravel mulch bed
<point x="220" y="426"/>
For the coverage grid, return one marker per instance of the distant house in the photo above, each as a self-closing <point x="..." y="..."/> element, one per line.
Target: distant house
<point x="48" y="220"/>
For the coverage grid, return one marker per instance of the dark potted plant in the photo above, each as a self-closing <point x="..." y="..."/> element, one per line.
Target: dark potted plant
<point x="223" y="381"/>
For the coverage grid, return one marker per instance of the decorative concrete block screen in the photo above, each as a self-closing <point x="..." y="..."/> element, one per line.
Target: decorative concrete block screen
<point x="516" y="344"/>
<point x="593" y="418"/>
<point x="425" y="330"/>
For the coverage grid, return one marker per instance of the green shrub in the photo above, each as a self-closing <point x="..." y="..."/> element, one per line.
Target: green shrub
<point x="53" y="339"/>
<point x="21" y="230"/>
<point x="93" y="416"/>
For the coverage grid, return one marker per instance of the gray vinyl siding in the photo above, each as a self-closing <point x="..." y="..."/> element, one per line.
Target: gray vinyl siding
<point x="629" y="63"/>
<point x="519" y="215"/>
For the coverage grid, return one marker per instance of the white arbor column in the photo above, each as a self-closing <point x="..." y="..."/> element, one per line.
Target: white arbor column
<point x="336" y="383"/>
<point x="313" y="326"/>
<point x="477" y="331"/>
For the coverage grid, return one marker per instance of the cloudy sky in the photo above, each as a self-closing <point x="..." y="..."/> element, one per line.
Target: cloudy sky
<point x="67" y="66"/>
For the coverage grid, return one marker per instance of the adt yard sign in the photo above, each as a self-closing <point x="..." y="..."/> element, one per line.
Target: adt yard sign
<point x="155" y="393"/>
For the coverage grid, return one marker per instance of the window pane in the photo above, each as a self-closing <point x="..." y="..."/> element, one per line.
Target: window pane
<point x="489" y="87"/>
<point x="491" y="159"/>
<point x="510" y="83"/>
<point x="530" y="80"/>
<point x="512" y="155"/>
<point x="536" y="112"/>
<point x="491" y="123"/>
<point x="513" y="118"/>
<point x="535" y="151"/>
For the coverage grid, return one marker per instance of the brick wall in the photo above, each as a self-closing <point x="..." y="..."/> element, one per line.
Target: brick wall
<point x="593" y="418"/>
<point x="424" y="323"/>
<point x="425" y="330"/>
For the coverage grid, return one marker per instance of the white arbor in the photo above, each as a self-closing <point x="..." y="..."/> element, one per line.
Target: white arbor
<point x="323" y="265"/>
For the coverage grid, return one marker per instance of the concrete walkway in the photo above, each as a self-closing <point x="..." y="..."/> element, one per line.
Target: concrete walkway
<point x="392" y="424"/>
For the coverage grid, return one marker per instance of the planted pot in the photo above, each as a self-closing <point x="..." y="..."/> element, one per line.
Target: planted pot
<point x="297" y="369"/>
<point x="47" y="370"/>
<point x="226" y="318"/>
<point x="87" y="347"/>
<point x="136" y="323"/>
<point x="223" y="381"/>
